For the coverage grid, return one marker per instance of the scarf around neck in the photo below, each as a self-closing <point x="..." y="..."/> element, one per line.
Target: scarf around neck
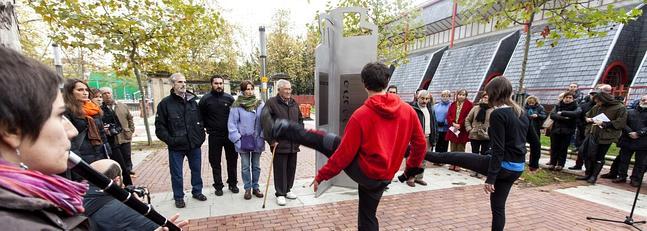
<point x="249" y="103"/>
<point x="62" y="193"/>
<point x="92" y="110"/>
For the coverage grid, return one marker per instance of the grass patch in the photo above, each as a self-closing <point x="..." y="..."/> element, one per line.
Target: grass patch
<point x="143" y="145"/>
<point x="545" y="141"/>
<point x="543" y="177"/>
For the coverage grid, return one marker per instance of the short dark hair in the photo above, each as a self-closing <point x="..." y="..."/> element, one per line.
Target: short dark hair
<point x="567" y="93"/>
<point x="27" y="89"/>
<point x="392" y="87"/>
<point x="216" y="77"/>
<point x="244" y="83"/>
<point x="375" y="76"/>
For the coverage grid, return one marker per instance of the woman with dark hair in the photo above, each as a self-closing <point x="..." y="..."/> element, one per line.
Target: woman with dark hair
<point x="244" y="125"/>
<point x="86" y="118"/>
<point x="536" y="114"/>
<point x="34" y="146"/>
<point x="476" y="124"/>
<point x="601" y="134"/>
<point x="564" y="116"/>
<point x="503" y="166"/>
<point x="95" y="96"/>
<point x="457" y="134"/>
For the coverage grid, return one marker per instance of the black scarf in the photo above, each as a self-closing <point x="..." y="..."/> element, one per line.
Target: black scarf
<point x="480" y="117"/>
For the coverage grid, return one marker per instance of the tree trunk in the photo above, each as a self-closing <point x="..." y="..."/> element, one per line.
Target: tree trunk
<point x="144" y="104"/>
<point x="9" y="36"/>
<point x="521" y="92"/>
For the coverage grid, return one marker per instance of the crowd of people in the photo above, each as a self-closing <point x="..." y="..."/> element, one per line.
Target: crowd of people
<point x="38" y="128"/>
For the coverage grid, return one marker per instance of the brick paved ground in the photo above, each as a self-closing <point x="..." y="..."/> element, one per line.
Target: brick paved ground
<point x="527" y="209"/>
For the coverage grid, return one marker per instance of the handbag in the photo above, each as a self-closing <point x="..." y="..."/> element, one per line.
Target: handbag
<point x="247" y="143"/>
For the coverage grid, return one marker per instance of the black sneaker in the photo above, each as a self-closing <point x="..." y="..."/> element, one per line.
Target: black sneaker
<point x="180" y="204"/>
<point x="608" y="176"/>
<point x="218" y="192"/>
<point x="200" y="197"/>
<point x="233" y="188"/>
<point x="575" y="167"/>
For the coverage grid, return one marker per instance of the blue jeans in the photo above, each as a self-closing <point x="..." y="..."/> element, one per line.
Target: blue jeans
<point x="245" y="159"/>
<point x="176" y="160"/>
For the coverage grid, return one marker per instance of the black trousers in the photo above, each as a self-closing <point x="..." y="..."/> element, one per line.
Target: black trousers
<point x="624" y="160"/>
<point x="285" y="167"/>
<point x="215" y="156"/>
<point x="595" y="156"/>
<point x="442" y="144"/>
<point x="370" y="190"/>
<point x="479" y="163"/>
<point x="532" y="138"/>
<point x="480" y="146"/>
<point x="559" y="148"/>
<point x="118" y="156"/>
<point x="126" y="152"/>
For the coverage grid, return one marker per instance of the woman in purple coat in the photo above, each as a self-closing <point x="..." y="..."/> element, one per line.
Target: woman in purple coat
<point x="245" y="132"/>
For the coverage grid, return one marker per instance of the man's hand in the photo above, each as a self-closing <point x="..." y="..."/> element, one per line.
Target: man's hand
<point x="534" y="115"/>
<point x="488" y="188"/>
<point x="634" y="135"/>
<point x="182" y="224"/>
<point x="457" y="126"/>
<point x="589" y="120"/>
<point x="315" y="185"/>
<point x="598" y="122"/>
<point x="559" y="113"/>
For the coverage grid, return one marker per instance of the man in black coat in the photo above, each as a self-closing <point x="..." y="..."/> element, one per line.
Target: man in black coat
<point x="282" y="106"/>
<point x="178" y="124"/>
<point x="214" y="108"/>
<point x="633" y="140"/>
<point x="586" y="104"/>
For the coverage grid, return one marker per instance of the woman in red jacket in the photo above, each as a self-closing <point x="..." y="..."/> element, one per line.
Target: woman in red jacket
<point x="457" y="134"/>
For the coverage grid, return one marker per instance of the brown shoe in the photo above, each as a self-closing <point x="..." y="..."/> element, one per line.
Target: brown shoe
<point x="411" y="183"/>
<point x="257" y="193"/>
<point x="248" y="194"/>
<point x="421" y="182"/>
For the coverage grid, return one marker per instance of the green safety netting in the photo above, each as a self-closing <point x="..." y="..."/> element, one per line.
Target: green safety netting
<point x="121" y="87"/>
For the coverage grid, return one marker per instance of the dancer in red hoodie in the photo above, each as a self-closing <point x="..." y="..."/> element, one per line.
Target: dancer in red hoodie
<point x="373" y="145"/>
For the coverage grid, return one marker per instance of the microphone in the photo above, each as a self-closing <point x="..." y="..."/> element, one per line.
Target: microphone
<point x="77" y="165"/>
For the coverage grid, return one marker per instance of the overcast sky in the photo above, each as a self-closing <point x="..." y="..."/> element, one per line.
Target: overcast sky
<point x="248" y="15"/>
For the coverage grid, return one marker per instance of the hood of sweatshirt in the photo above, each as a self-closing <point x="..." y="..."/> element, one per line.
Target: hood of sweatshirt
<point x="384" y="105"/>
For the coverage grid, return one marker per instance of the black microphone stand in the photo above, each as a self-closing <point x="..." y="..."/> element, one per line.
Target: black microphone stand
<point x="76" y="164"/>
<point x="629" y="220"/>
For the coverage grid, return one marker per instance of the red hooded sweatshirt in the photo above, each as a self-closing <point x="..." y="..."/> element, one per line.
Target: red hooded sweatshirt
<point x="379" y="132"/>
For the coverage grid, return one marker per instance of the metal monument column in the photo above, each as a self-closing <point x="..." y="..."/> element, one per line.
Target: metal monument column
<point x="338" y="86"/>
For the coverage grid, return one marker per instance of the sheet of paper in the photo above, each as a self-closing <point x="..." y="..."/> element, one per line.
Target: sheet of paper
<point x="455" y="130"/>
<point x="602" y="117"/>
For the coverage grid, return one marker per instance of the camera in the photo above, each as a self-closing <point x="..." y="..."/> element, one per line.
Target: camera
<point x="140" y="191"/>
<point x="114" y="129"/>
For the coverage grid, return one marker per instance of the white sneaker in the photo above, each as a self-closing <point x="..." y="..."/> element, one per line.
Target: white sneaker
<point x="291" y="196"/>
<point x="281" y="201"/>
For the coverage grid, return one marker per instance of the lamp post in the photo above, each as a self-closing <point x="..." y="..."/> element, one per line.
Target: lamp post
<point x="263" y="59"/>
<point x="57" y="59"/>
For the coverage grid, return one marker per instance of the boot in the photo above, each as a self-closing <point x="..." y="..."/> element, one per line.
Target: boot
<point x="588" y="172"/>
<point x="596" y="170"/>
<point x="321" y="141"/>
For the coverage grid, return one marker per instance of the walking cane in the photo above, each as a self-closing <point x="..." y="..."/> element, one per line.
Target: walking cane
<point x="269" y="174"/>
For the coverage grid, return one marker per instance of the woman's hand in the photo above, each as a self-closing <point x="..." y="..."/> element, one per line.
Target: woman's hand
<point x="488" y="188"/>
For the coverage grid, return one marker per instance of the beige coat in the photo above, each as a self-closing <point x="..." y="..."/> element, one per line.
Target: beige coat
<point x="126" y="121"/>
<point x="478" y="130"/>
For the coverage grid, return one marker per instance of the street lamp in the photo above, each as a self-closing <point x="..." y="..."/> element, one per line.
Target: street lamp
<point x="57" y="59"/>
